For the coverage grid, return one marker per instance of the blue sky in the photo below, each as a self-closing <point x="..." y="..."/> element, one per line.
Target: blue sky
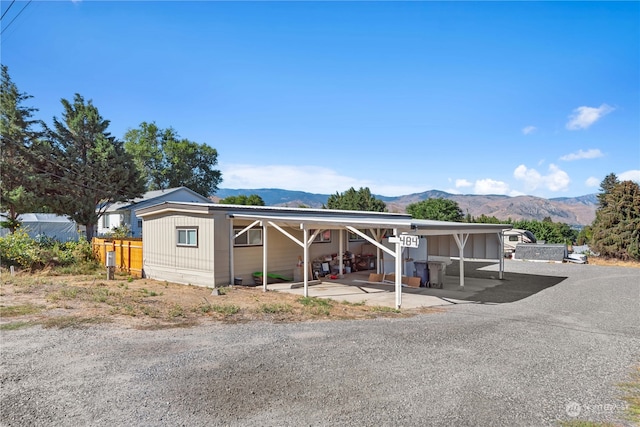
<point x="538" y="98"/>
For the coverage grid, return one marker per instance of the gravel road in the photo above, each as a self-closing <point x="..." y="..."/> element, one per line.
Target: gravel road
<point x="555" y="355"/>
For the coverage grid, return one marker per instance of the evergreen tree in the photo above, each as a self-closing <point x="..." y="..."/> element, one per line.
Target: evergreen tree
<point x="17" y="140"/>
<point x="88" y="168"/>
<point x="616" y="229"/>
<point x="352" y="200"/>
<point x="606" y="186"/>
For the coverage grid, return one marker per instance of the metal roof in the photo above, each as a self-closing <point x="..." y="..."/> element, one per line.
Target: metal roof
<point x="326" y="218"/>
<point x="149" y="197"/>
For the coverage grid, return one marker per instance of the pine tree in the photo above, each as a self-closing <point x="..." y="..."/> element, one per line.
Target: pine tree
<point x="616" y="229"/>
<point x="606" y="186"/>
<point x="17" y="139"/>
<point x="88" y="168"/>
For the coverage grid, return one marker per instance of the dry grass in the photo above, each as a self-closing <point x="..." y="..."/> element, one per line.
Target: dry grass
<point x="54" y="300"/>
<point x="631" y="395"/>
<point x="613" y="262"/>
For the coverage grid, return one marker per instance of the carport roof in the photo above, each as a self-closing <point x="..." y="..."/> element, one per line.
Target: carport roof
<point x="325" y="218"/>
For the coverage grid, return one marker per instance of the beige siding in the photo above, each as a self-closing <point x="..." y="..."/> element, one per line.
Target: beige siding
<point x="164" y="259"/>
<point x="283" y="253"/>
<point x="478" y="246"/>
<point x="221" y="249"/>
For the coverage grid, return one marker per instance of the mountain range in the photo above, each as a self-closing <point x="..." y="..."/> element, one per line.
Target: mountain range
<point x="575" y="211"/>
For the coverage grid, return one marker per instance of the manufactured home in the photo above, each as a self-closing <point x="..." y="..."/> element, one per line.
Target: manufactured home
<point x="210" y="244"/>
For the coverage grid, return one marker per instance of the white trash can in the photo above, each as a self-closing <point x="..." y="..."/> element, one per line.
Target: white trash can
<point x="436" y="274"/>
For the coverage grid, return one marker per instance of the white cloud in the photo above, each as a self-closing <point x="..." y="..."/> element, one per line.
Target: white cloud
<point x="632" y="175"/>
<point x="490" y="186"/>
<point x="592" y="153"/>
<point x="462" y="183"/>
<point x="529" y="129"/>
<point x="555" y="180"/>
<point x="312" y="179"/>
<point x="516" y="193"/>
<point x="583" y="117"/>
<point x="592" y="181"/>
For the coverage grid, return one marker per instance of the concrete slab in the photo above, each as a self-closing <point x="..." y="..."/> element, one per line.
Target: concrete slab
<point x="481" y="286"/>
<point x="356" y="291"/>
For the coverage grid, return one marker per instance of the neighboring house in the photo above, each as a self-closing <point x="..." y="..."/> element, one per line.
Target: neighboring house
<point x="210" y="244"/>
<point x="123" y="213"/>
<point x="57" y="227"/>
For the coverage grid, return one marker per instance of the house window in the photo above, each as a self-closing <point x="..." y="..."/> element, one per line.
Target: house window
<point x="322" y="237"/>
<point x="251" y="237"/>
<point x="139" y="224"/>
<point x="187" y="236"/>
<point x="106" y="221"/>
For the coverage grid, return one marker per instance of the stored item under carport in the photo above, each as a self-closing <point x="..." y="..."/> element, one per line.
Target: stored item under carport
<point x="436" y="274"/>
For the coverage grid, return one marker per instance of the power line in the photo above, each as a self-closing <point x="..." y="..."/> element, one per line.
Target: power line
<point x="14" y="18"/>
<point x="5" y="12"/>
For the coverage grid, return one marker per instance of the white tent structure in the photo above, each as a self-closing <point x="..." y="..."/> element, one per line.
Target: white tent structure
<point x="57" y="227"/>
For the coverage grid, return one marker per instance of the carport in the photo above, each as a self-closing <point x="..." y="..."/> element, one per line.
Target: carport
<point x="313" y="222"/>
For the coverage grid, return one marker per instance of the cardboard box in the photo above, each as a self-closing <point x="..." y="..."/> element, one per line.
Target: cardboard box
<point x="375" y="277"/>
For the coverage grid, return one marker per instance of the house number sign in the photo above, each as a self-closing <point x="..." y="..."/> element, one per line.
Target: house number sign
<point x="406" y="240"/>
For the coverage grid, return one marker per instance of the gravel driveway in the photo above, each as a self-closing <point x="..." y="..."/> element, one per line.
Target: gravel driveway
<point x="555" y="355"/>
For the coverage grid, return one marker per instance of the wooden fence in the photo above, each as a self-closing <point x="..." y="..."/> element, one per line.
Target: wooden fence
<point x="128" y="253"/>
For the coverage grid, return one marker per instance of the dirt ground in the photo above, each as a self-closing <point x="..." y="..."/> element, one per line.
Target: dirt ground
<point x="63" y="300"/>
<point x="60" y="300"/>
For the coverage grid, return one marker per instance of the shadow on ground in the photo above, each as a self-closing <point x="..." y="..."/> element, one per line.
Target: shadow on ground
<point x="480" y="286"/>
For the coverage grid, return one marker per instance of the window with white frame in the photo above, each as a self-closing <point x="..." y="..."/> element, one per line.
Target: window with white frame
<point x="251" y="237"/>
<point x="323" y="236"/>
<point x="187" y="236"/>
<point x="106" y="221"/>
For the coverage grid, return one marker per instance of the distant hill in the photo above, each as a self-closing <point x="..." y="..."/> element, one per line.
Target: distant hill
<point x="569" y="210"/>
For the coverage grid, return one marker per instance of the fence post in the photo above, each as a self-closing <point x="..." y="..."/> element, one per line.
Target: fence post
<point x="129" y="256"/>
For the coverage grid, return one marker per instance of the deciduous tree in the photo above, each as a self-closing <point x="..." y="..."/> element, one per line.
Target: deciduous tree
<point x="438" y="209"/>
<point x="165" y="160"/>
<point x="360" y="200"/>
<point x="252" y="200"/>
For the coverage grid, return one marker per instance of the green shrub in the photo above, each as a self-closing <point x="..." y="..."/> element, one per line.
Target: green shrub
<point x="19" y="249"/>
<point x="22" y="251"/>
<point x="120" y="232"/>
